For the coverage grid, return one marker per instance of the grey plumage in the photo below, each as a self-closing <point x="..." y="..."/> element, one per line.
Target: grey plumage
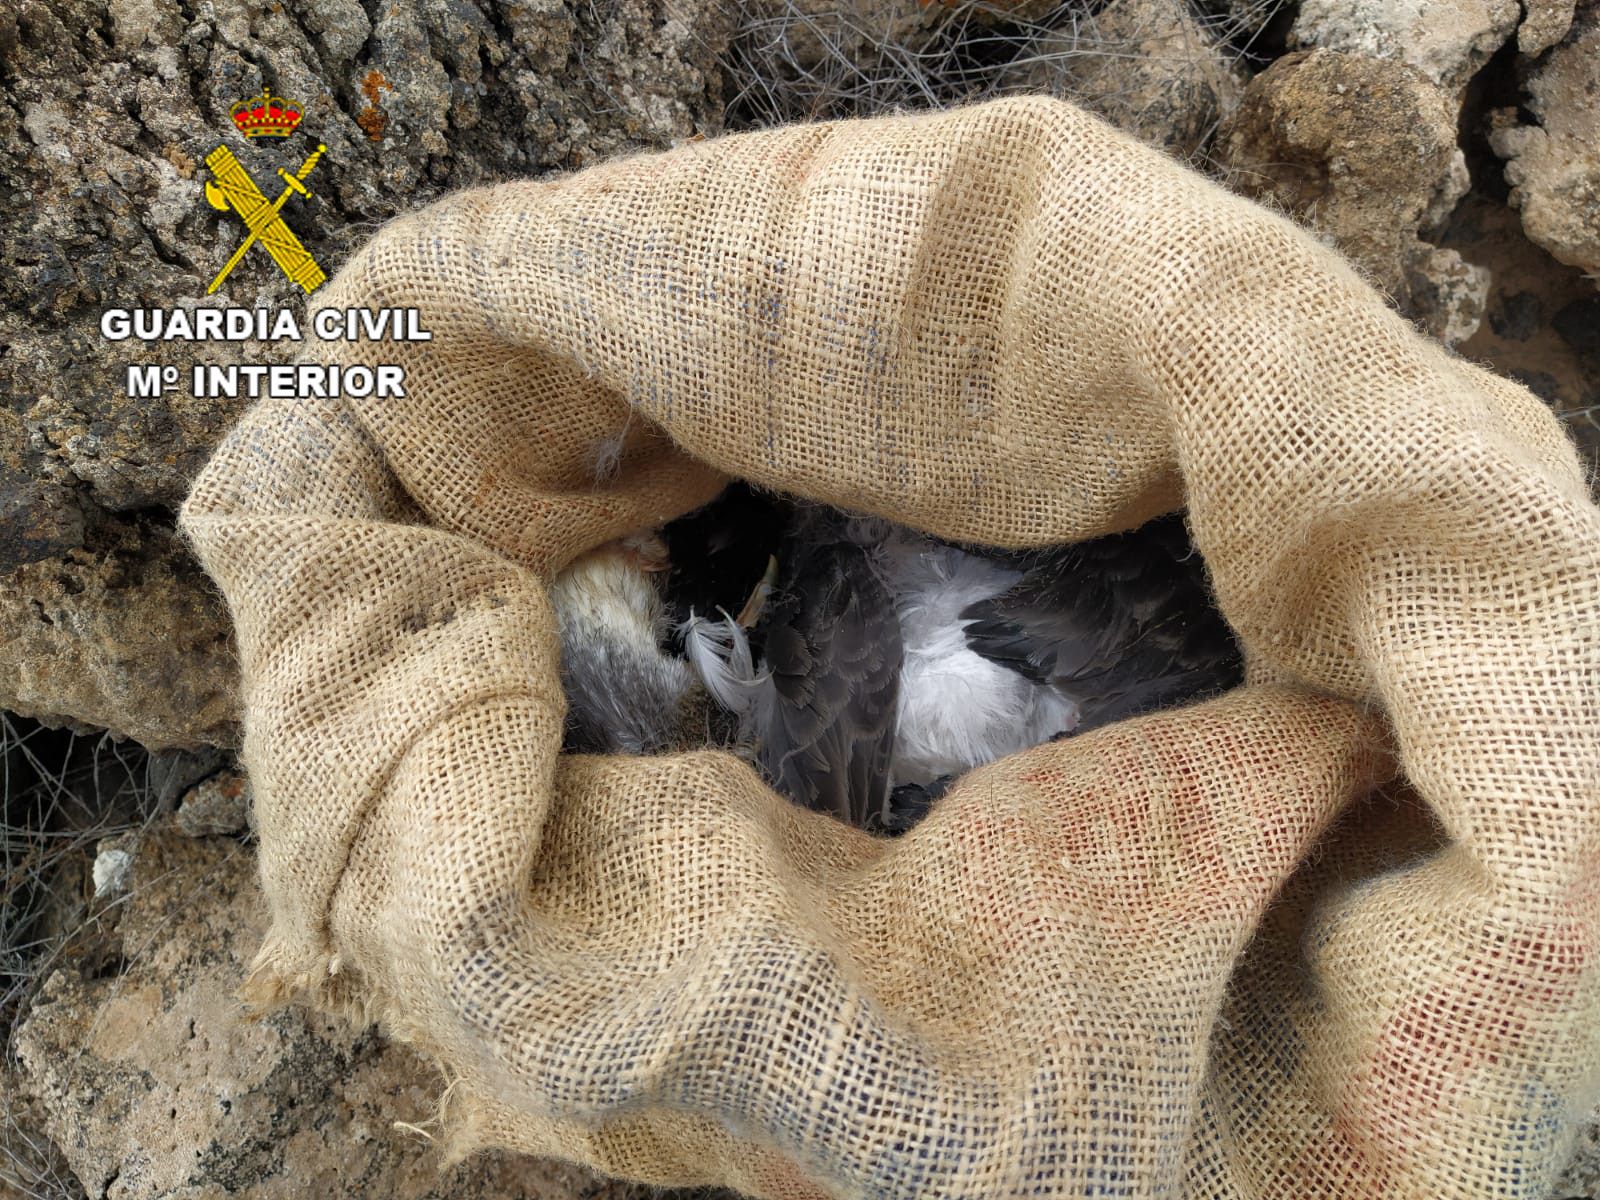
<point x="884" y="662"/>
<point x="894" y="662"/>
<point x="1122" y="624"/>
<point x="625" y="694"/>
<point x="833" y="655"/>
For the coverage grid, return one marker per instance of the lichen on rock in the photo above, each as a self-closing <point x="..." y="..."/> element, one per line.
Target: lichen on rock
<point x="110" y="110"/>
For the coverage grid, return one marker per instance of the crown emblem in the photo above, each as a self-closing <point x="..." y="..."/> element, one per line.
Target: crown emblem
<point x="266" y="115"/>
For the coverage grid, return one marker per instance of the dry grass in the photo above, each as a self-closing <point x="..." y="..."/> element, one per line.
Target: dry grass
<point x="796" y="62"/>
<point x="62" y="793"/>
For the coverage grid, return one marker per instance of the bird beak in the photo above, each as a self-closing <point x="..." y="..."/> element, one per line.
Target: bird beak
<point x="753" y="607"/>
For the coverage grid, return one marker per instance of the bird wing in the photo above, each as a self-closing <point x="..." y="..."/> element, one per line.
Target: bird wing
<point x="834" y="654"/>
<point x="1123" y="624"/>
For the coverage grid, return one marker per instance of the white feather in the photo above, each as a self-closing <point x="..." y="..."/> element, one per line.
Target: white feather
<point x="958" y="709"/>
<point x="719" y="653"/>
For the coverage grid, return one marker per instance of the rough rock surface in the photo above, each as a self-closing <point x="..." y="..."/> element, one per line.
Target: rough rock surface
<point x="107" y="111"/>
<point x="137" y="1062"/>
<point x="1554" y="166"/>
<point x="1363" y="151"/>
<point x="121" y="632"/>
<point x="1446" y="40"/>
<point x="1542" y="325"/>
<point x="31" y="1168"/>
<point x="215" y="807"/>
<point x="1147" y="66"/>
<point x="1544" y="23"/>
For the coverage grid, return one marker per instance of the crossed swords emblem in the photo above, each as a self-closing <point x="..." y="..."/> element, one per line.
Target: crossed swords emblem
<point x="232" y="187"/>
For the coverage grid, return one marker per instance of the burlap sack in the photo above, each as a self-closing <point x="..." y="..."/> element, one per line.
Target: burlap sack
<point x="1008" y="324"/>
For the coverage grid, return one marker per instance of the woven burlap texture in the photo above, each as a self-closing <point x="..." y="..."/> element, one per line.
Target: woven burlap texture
<point x="1179" y="956"/>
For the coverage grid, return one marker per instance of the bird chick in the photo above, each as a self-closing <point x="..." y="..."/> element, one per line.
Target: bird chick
<point x="625" y="694"/>
<point x="891" y="662"/>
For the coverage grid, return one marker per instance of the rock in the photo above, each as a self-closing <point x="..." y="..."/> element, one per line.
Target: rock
<point x="1359" y="148"/>
<point x="110" y="109"/>
<point x="31" y="1168"/>
<point x="215" y="807"/>
<point x="138" y="1063"/>
<point x="1446" y="293"/>
<point x="1147" y="66"/>
<point x="1553" y="166"/>
<point x="123" y="633"/>
<point x="1544" y="23"/>
<point x="1541" y="318"/>
<point x="39" y="516"/>
<point x="1446" y="40"/>
<point x="1363" y="151"/>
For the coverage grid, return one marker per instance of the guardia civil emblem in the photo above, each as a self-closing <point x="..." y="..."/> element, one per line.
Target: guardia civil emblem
<point x="231" y="188"/>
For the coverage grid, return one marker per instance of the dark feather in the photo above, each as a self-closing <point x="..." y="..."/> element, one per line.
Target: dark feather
<point x="1124" y="624"/>
<point x="908" y="804"/>
<point x="833" y="647"/>
<point x="719" y="552"/>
